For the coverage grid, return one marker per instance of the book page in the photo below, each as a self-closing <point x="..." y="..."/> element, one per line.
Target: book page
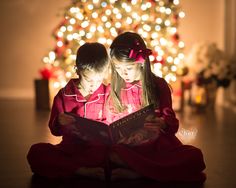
<point x="108" y="134"/>
<point x="125" y="126"/>
<point x="92" y="129"/>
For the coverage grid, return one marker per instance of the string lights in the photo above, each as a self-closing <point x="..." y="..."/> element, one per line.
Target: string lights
<point x="102" y="20"/>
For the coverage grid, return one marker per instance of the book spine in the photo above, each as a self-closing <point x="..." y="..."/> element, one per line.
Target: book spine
<point x="110" y="135"/>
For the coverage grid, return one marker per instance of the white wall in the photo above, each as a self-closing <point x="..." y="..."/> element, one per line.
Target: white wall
<point x="26" y="27"/>
<point x="204" y="21"/>
<point x="25" y="35"/>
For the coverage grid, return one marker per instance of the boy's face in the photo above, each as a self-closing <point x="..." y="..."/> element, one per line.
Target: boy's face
<point x="91" y="80"/>
<point x="130" y="72"/>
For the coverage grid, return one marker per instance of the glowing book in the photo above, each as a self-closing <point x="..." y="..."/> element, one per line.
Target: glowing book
<point x="112" y="133"/>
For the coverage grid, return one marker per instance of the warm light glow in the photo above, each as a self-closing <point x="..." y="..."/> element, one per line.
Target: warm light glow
<point x="159" y="20"/>
<point x="181" y="44"/>
<point x="108" y="12"/>
<point x="63" y="28"/>
<point x="46" y="60"/>
<point x="72" y="21"/>
<point x="145" y="17"/>
<point x="56" y="85"/>
<point x="104" y="18"/>
<point x="168" y="11"/>
<point x="68" y="74"/>
<point x="52" y="56"/>
<point x="198" y="99"/>
<point x="69" y="37"/>
<point x="90" y="7"/>
<point x="181" y="55"/>
<point x="84" y="24"/>
<point x="59" y="43"/>
<point x="79" y="16"/>
<point x="129" y="20"/>
<point x="60" y="34"/>
<point x="94" y="15"/>
<point x="176" y="2"/>
<point x="97" y="20"/>
<point x="181" y="14"/>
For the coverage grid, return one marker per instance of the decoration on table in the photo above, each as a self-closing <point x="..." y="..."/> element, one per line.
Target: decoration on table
<point x="209" y="69"/>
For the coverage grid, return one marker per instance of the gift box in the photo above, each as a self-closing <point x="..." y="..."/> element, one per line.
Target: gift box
<point x="42" y="94"/>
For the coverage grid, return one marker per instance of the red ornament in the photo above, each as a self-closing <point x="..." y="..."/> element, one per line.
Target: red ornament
<point x="48" y="72"/>
<point x="175" y="37"/>
<point x="59" y="51"/>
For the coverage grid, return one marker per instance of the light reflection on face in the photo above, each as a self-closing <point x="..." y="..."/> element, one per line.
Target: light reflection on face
<point x="130" y="72"/>
<point x="90" y="80"/>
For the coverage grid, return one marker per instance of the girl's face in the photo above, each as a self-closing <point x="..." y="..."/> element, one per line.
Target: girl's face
<point x="130" y="72"/>
<point x="90" y="81"/>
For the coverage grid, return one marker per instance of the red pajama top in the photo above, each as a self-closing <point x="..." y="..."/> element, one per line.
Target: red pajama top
<point x="69" y="99"/>
<point x="131" y="98"/>
<point x="165" y="158"/>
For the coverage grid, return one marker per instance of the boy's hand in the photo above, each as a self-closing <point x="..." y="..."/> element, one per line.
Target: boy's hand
<point x="65" y="119"/>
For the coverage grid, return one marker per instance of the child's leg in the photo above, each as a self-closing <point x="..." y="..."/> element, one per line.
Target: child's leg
<point x="91" y="172"/>
<point x="52" y="161"/>
<point x="116" y="160"/>
<point x="122" y="171"/>
<point x="48" y="161"/>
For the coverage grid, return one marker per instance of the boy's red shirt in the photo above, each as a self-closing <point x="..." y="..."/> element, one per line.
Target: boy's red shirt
<point x="69" y="99"/>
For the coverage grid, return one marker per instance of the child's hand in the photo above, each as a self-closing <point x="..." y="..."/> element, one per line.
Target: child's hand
<point x="154" y="123"/>
<point x="139" y="137"/>
<point x="65" y="119"/>
<point x="68" y="121"/>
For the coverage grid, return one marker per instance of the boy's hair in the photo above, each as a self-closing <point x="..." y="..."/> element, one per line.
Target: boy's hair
<point x="92" y="56"/>
<point x="120" y="50"/>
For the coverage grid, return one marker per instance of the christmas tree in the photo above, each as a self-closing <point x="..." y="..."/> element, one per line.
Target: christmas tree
<point x="102" y="20"/>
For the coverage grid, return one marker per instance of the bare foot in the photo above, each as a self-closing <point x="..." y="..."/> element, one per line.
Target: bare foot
<point x="114" y="158"/>
<point x="97" y="173"/>
<point x="122" y="173"/>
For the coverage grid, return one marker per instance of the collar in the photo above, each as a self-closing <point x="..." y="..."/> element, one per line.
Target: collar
<point x="129" y="86"/>
<point x="71" y="89"/>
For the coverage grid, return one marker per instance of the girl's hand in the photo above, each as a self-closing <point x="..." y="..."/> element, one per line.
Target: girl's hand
<point x="151" y="131"/>
<point x="139" y="137"/>
<point x="65" y="119"/>
<point x="154" y="123"/>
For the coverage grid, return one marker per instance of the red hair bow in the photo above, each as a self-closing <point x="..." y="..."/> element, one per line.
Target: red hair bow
<point x="139" y="54"/>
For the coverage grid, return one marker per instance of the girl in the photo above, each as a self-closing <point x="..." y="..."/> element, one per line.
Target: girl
<point x="85" y="97"/>
<point x="162" y="156"/>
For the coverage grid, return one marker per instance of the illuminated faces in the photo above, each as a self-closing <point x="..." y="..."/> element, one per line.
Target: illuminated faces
<point x="130" y="72"/>
<point x="90" y="81"/>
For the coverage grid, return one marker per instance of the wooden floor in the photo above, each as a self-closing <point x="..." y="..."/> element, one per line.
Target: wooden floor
<point x="214" y="131"/>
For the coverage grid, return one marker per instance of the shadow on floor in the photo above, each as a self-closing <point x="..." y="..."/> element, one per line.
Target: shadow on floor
<point x="39" y="182"/>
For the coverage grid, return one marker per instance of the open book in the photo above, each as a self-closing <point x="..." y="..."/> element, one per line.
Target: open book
<point x="112" y="133"/>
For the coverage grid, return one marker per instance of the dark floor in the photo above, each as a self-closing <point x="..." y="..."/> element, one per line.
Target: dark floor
<point x="214" y="131"/>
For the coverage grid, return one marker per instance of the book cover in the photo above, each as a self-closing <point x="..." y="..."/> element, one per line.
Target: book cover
<point x="112" y="133"/>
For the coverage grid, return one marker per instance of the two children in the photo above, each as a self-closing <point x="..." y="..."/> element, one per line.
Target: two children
<point x="159" y="155"/>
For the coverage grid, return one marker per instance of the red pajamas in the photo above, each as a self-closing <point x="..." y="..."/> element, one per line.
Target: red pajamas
<point x="64" y="159"/>
<point x="166" y="158"/>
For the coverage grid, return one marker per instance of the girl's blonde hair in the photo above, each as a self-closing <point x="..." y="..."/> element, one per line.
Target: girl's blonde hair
<point x="120" y="52"/>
